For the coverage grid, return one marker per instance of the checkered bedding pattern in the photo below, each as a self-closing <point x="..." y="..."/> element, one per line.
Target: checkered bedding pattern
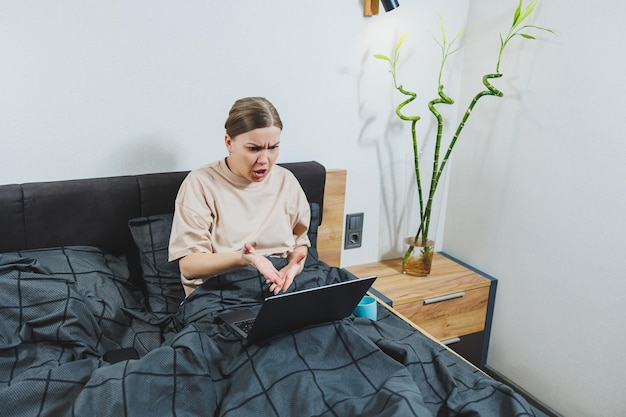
<point x="63" y="309"/>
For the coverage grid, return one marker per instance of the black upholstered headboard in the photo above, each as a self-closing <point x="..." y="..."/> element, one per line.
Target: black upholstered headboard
<point x="95" y="212"/>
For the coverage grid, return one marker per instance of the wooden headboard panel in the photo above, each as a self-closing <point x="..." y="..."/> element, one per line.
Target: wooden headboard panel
<point x="330" y="232"/>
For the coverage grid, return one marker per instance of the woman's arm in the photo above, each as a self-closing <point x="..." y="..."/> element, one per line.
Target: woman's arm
<point x="199" y="265"/>
<point x="204" y="265"/>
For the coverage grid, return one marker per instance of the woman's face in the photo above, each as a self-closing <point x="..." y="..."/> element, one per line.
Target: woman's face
<point x="252" y="154"/>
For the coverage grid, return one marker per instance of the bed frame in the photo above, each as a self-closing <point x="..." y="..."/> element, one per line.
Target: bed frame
<point x="73" y="212"/>
<point x="96" y="211"/>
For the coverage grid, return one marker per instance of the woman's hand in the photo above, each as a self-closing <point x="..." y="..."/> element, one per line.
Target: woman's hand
<point x="294" y="267"/>
<point x="265" y="267"/>
<point x="278" y="280"/>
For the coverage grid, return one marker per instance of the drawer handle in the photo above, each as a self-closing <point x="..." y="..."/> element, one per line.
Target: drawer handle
<point x="444" y="297"/>
<point x="450" y="341"/>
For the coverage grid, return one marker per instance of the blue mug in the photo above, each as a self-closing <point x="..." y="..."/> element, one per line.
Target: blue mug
<point x="366" y="308"/>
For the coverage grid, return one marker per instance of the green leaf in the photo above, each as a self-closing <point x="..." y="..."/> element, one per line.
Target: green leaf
<point x="517" y="13"/>
<point x="461" y="32"/>
<point x="455" y="50"/>
<point x="383" y="57"/>
<point x="527" y="11"/>
<point x="539" y="28"/>
<point x="523" y="35"/>
<point x="401" y="41"/>
<point x="443" y="31"/>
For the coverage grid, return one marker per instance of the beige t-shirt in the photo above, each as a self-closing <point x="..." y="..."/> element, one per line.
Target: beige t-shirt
<point x="217" y="211"/>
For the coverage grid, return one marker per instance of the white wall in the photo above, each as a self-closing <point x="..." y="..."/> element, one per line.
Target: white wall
<point x="537" y="199"/>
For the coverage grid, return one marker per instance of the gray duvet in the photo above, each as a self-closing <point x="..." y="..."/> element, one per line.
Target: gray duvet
<point x="62" y="309"/>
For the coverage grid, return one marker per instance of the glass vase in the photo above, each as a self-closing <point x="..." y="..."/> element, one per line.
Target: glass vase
<point x="419" y="261"/>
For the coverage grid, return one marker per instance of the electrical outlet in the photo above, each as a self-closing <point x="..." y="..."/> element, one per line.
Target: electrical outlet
<point x="354" y="230"/>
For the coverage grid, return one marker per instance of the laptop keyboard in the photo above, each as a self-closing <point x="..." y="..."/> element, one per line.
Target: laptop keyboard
<point x="245" y="325"/>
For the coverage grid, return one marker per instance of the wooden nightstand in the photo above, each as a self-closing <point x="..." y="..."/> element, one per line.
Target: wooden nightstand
<point x="454" y="304"/>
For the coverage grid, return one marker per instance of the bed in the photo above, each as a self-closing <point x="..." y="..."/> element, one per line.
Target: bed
<point x="93" y="323"/>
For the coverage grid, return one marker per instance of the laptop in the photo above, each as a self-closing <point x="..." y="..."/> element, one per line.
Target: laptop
<point x="291" y="311"/>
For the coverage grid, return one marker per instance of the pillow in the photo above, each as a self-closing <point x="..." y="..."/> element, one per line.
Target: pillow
<point x="81" y="264"/>
<point x="152" y="234"/>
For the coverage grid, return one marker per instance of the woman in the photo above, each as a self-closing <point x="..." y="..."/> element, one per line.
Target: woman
<point x="236" y="211"/>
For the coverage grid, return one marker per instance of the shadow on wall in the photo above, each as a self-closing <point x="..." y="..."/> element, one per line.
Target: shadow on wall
<point x="145" y="155"/>
<point x="378" y="129"/>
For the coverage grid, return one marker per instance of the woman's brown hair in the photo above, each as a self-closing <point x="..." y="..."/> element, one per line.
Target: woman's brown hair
<point x="251" y="113"/>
